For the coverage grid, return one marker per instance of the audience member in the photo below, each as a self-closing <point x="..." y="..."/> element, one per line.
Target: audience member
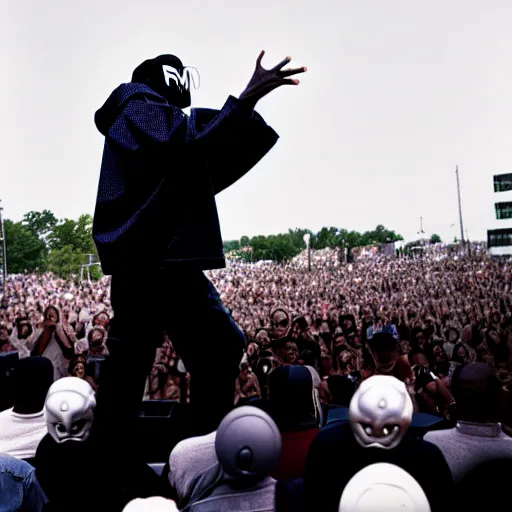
<point x="338" y="452"/>
<point x="314" y="337"/>
<point x="23" y="426"/>
<point x="478" y="435"/>
<point x="19" y="488"/>
<point x="294" y="409"/>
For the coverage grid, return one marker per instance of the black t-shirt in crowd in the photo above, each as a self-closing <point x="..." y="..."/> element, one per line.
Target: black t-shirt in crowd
<point x="335" y="457"/>
<point x="75" y="477"/>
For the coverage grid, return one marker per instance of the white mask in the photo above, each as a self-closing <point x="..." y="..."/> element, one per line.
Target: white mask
<point x="380" y="412"/>
<point x="69" y="409"/>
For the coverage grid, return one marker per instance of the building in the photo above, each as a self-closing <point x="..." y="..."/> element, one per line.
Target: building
<point x="499" y="237"/>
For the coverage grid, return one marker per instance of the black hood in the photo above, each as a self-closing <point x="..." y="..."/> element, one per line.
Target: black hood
<point x="106" y="116"/>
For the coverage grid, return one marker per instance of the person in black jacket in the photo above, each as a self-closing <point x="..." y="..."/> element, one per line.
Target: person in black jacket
<point x="156" y="229"/>
<point x="335" y="457"/>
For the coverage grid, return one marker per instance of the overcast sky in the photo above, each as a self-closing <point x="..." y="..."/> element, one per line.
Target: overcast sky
<point x="397" y="94"/>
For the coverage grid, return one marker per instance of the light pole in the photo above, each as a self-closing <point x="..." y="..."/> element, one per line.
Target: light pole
<point x="460" y="207"/>
<point x="468" y="244"/>
<point x="341" y="246"/>
<point x="307" y="239"/>
<point x="421" y="232"/>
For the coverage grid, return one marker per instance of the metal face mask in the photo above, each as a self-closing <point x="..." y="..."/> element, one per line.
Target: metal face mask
<point x="380" y="412"/>
<point x="167" y="76"/>
<point x="180" y="80"/>
<point x="69" y="409"/>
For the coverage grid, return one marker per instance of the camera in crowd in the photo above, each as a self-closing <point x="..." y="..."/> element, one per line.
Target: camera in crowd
<point x="423" y="376"/>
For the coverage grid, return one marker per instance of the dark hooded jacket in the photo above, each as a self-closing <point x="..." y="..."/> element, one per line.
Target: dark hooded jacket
<point x="159" y="176"/>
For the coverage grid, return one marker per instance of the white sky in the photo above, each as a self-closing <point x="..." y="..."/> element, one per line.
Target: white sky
<point x="397" y="94"/>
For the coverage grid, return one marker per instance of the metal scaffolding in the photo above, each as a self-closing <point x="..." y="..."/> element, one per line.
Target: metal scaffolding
<point x="87" y="267"/>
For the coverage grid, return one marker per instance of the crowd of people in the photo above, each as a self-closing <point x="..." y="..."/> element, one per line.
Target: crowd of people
<point x="446" y="311"/>
<point x="440" y="313"/>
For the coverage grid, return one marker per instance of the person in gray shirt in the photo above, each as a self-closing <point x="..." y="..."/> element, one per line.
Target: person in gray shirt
<point x="477" y="437"/>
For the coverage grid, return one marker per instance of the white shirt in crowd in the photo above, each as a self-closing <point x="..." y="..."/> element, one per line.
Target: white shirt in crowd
<point x="20" y="434"/>
<point x="53" y="352"/>
<point x="24" y="346"/>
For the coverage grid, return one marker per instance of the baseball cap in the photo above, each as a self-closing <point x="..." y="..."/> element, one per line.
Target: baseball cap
<point x="384" y="487"/>
<point x="153" y="504"/>
<point x="382" y="337"/>
<point x="387" y="329"/>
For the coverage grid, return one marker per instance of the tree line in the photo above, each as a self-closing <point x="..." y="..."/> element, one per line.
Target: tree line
<point x="40" y="243"/>
<point x="286" y="246"/>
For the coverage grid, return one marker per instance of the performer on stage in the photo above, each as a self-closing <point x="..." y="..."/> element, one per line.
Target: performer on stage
<point x="156" y="230"/>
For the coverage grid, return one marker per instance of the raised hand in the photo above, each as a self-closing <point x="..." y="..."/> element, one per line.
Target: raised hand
<point x="264" y="80"/>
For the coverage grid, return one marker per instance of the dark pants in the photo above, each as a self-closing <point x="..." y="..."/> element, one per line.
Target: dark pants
<point x="188" y="307"/>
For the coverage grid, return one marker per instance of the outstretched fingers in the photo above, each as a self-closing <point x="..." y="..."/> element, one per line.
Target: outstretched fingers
<point x="290" y="81"/>
<point x="282" y="64"/>
<point x="291" y="72"/>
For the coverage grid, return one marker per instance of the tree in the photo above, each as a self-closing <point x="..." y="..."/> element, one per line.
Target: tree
<point x="25" y="251"/>
<point x="76" y="234"/>
<point x="353" y="239"/>
<point x="380" y="235"/>
<point x="435" y="239"/>
<point x="281" y="248"/>
<point x="40" y="223"/>
<point x="340" y="240"/>
<point x="296" y="237"/>
<point x="66" y="261"/>
<point x="95" y="272"/>
<point x="326" y="237"/>
<point x="259" y="248"/>
<point x="274" y="247"/>
<point x="285" y="246"/>
<point x="41" y="242"/>
<point x="70" y="244"/>
<point x="231" y="245"/>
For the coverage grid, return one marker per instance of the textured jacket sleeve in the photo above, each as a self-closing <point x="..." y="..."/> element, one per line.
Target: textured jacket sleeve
<point x="233" y="140"/>
<point x="144" y="123"/>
